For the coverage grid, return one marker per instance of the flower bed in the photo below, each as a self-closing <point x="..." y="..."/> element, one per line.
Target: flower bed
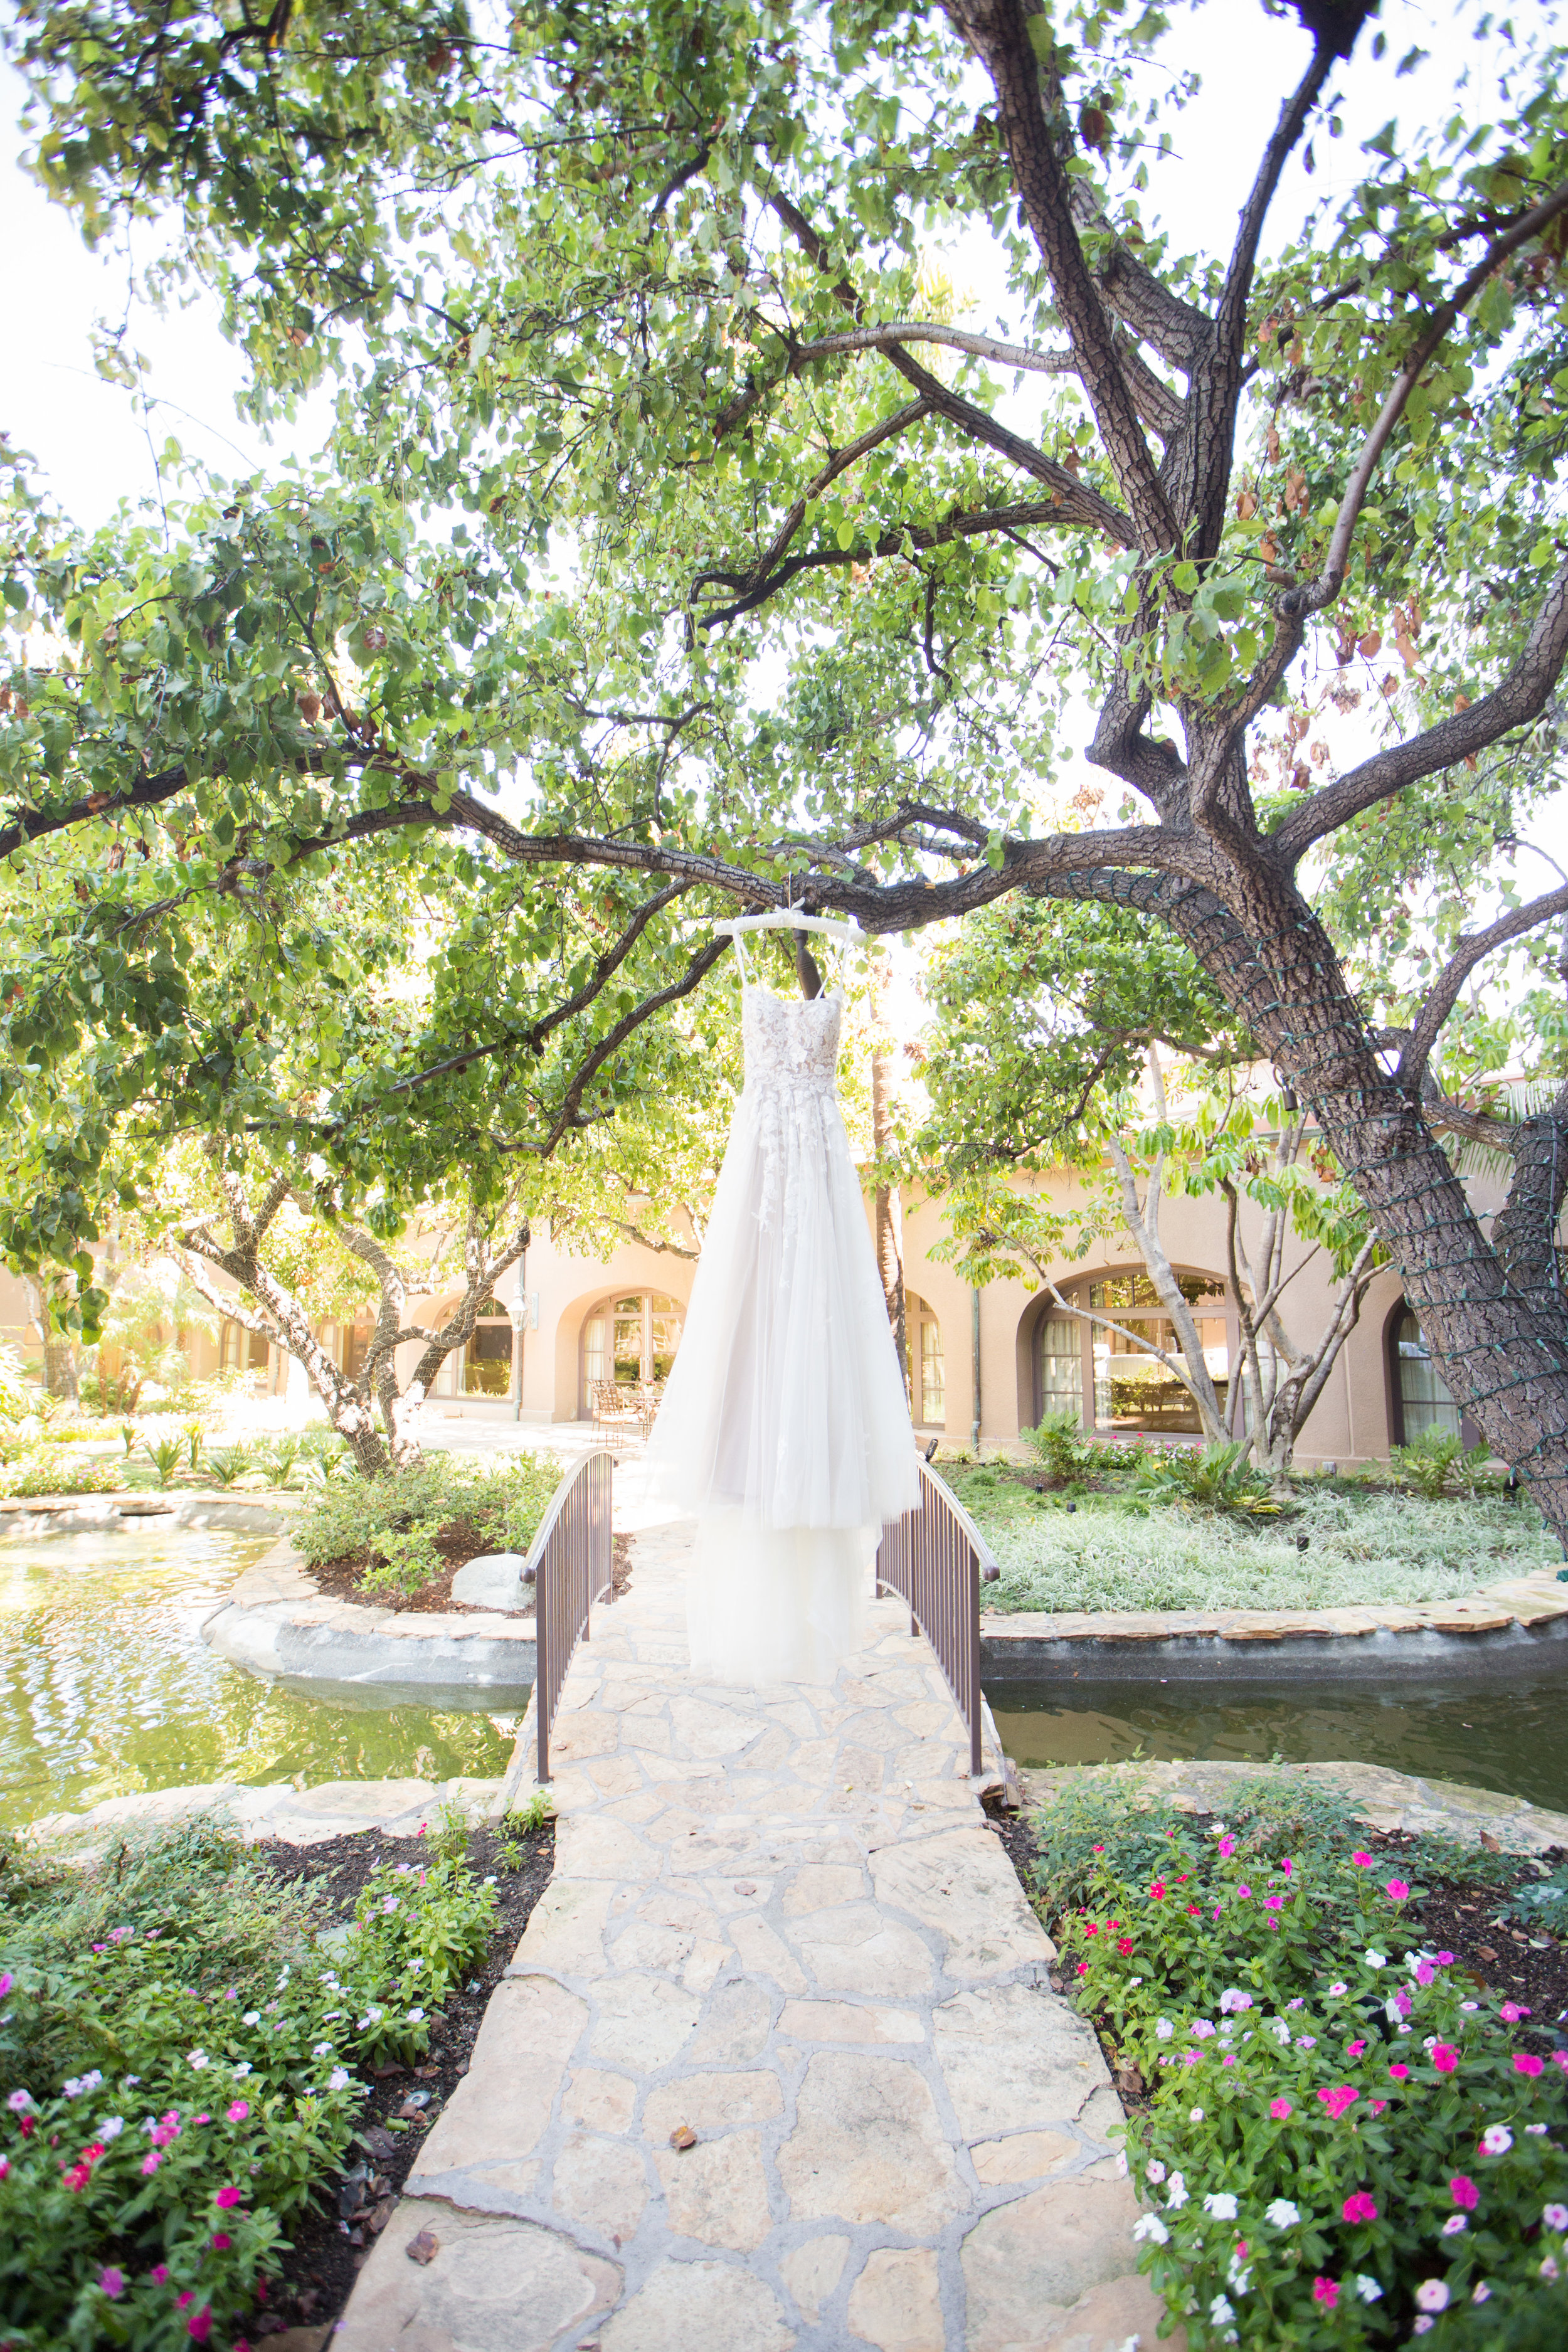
<point x="1347" y="2139"/>
<point x="179" y="2067"/>
<point x="400" y="1539"/>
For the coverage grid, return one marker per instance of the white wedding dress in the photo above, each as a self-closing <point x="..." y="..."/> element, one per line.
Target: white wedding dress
<point x="784" y="1428"/>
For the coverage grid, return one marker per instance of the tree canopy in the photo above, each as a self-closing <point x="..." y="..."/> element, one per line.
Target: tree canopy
<point x="682" y="542"/>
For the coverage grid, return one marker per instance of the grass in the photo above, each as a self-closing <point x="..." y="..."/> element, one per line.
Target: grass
<point x="1365" y="1542"/>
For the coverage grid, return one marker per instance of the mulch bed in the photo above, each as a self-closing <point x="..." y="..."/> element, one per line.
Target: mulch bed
<point x="333" y="2240"/>
<point x="457" y="1542"/>
<point x="1460" y="1916"/>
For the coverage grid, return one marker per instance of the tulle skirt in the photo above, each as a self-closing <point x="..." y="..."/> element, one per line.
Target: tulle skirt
<point x="785" y="1415"/>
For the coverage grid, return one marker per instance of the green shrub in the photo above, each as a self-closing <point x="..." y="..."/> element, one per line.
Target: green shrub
<point x="1436" y="1462"/>
<point x="1344" y="2139"/>
<point x="46" y="1469"/>
<point x="1220" y="1478"/>
<point x="406" y="1558"/>
<point x="505" y="1500"/>
<point x="228" y="1462"/>
<point x="177" y="2058"/>
<point x="167" y="1454"/>
<point x="276" y="1462"/>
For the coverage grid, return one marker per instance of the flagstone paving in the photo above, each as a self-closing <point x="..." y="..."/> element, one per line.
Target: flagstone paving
<point x="776" y="2062"/>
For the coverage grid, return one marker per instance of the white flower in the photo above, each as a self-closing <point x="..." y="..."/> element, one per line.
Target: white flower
<point x="1432" y="2295"/>
<point x="241" y="2070"/>
<point x="1221" y="2204"/>
<point x="1555" y="2216"/>
<point x="1306" y="2042"/>
<point x="1367" y="2287"/>
<point x="321" y="2050"/>
<point x="1134" y="1983"/>
<point x="1548" y="2267"/>
<point x="1375" y="1960"/>
<point x="1163" y="2029"/>
<point x="488" y="1881"/>
<point x="338" y="2080"/>
<point x="196" y="2058"/>
<point x="112" y="2127"/>
<point x="1454" y="2224"/>
<point x="1216" y="1828"/>
<point x="1176" y="2192"/>
<point x="415" y="2016"/>
<point x="1297" y="2003"/>
<point x="1282" y="2213"/>
<point x="1334" y="1992"/>
<point x="78" y="2084"/>
<point x="1535" y="2130"/>
<point x="372" y="2016"/>
<point x="1239" y="2275"/>
<point x="1121" y="2164"/>
<point x="1195" y="2115"/>
<point x="1497" y="2139"/>
<point x="1220" y="2311"/>
<point x="1151" y="2226"/>
<point x="1482" y="2292"/>
<point x="1233" y="2000"/>
<point x="1156" y="2170"/>
<point x="1280" y="2028"/>
<point x="1469" y="2004"/>
<point x="253" y="2017"/>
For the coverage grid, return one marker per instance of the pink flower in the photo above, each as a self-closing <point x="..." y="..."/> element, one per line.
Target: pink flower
<point x="1285" y="1865"/>
<point x="1273" y="1902"/>
<point x="111" y="2283"/>
<point x="226" y="2198"/>
<point x="1244" y="1892"/>
<point x="150" y="2163"/>
<point x="1360" y="2207"/>
<point x="1425" y="1972"/>
<point x="159" y="2274"/>
<point x="1326" y="2291"/>
<point x="1463" y="2191"/>
<point x="1091" y="1929"/>
<point x="201" y="2327"/>
<point x="1432" y="2295"/>
<point x="1356" y="2049"/>
<point x="1228" y="1847"/>
<point x="1124" y="1945"/>
<point x="1083" y="1967"/>
<point x="1227" y="2060"/>
<point x="6" y="1981"/>
<point x="1342" y="2095"/>
<point x="180" y="2301"/>
<point x="221" y="2241"/>
<point x="240" y="2110"/>
<point x="1279" y="2109"/>
<point x="1399" y="1889"/>
<point x="1100" y="1849"/>
<point x="1445" y="2057"/>
<point x="1157" y="1891"/>
<point x="1444" y="1959"/>
<point x="1526" y="2062"/>
<point x="1362" y="1861"/>
<point x="1510" y="2012"/>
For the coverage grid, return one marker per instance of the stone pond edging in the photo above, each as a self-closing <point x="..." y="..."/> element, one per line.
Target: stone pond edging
<point x="1495" y="1633"/>
<point x="277" y="1621"/>
<point x="1385" y="1799"/>
<point x="39" y="1514"/>
<point x="276" y="1810"/>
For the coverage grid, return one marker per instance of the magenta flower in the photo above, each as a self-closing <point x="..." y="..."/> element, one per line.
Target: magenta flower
<point x="1526" y="2062"/>
<point x="1083" y="1967"/>
<point x="1326" y="2291"/>
<point x="1360" y="2207"/>
<point x="226" y="2198"/>
<point x="1362" y="1861"/>
<point x="6" y="1981"/>
<point x="240" y="2110"/>
<point x="1228" y="1847"/>
<point x="1510" y="2012"/>
<point x="1342" y="2095"/>
<point x="1273" y="1902"/>
<point x="1445" y="2057"/>
<point x="1279" y="2109"/>
<point x="159" y="2274"/>
<point x="220" y="2241"/>
<point x="1158" y="1890"/>
<point x="1463" y="2191"/>
<point x="111" y="2283"/>
<point x="1244" y="1892"/>
<point x="1285" y="1865"/>
<point x="1399" y="1888"/>
<point x="150" y="2163"/>
<point x="201" y="2327"/>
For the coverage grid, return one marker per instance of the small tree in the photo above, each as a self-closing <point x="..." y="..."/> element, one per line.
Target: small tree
<point x="477" y="1250"/>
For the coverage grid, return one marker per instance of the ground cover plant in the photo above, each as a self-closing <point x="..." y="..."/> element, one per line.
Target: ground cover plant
<point x="182" y="2063"/>
<point x="397" y="1534"/>
<point x="1341" y="2135"/>
<point x="1128" y="1545"/>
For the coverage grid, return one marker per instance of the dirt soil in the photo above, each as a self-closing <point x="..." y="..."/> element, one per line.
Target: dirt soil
<point x="457" y="1542"/>
<point x="333" y="2240"/>
<point x="1460" y="1916"/>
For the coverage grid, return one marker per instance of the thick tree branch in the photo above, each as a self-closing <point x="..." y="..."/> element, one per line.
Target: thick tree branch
<point x="1444" y="994"/>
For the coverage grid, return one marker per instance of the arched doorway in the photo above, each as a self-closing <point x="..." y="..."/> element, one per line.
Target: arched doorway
<point x="631" y="1339"/>
<point x="1420" y="1396"/>
<point x="486" y="1366"/>
<point x="1101" y="1374"/>
<point x="928" y="1365"/>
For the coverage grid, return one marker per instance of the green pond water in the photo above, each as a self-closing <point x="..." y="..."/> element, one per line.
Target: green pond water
<point x="1510" y="1736"/>
<point x="107" y="1687"/>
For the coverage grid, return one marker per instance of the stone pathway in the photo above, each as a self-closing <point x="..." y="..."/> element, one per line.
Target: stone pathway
<point x="776" y="2063"/>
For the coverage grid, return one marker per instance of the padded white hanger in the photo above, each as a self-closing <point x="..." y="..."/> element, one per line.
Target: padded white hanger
<point x="783" y="920"/>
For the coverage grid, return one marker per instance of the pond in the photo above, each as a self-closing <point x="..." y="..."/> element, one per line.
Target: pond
<point x="107" y="1687"/>
<point x="1511" y="1737"/>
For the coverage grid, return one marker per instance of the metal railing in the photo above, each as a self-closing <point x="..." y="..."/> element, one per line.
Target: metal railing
<point x="570" y="1565"/>
<point x="936" y="1559"/>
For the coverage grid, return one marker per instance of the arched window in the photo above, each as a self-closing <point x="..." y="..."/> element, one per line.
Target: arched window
<point x="631" y="1340"/>
<point x="486" y="1369"/>
<point x="1422" y="1400"/>
<point x="928" y="1366"/>
<point x="1078" y="1362"/>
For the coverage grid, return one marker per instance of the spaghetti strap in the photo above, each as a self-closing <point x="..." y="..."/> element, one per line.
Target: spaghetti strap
<point x="744" y="968"/>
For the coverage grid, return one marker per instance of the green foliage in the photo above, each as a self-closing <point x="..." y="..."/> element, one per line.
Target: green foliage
<point x="42" y="1469"/>
<point x="225" y="1464"/>
<point x="1327" y="2095"/>
<point x="178" y="2046"/>
<point x="1062" y="1450"/>
<point x="1219" y="1478"/>
<point x="398" y="1514"/>
<point x="1437" y="1463"/>
<point x="276" y="1462"/>
<point x="166" y="1455"/>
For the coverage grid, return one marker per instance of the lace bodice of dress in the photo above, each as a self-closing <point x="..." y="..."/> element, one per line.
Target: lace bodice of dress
<point x="792" y="1047"/>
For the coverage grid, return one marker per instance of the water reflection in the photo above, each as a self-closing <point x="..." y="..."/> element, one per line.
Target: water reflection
<point x="106" y="1686"/>
<point x="1513" y="1739"/>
